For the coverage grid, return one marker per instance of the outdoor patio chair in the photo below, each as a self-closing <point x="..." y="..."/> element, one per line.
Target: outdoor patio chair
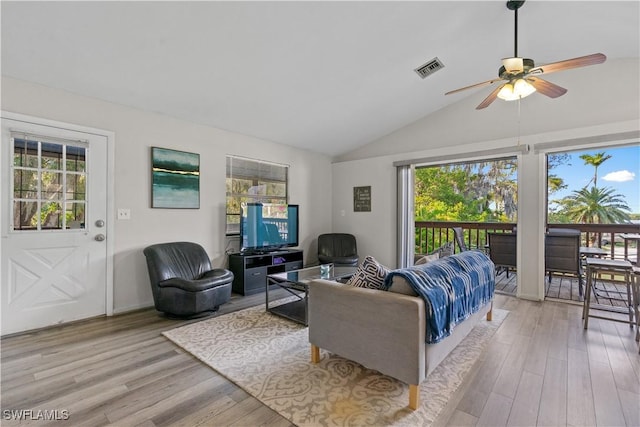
<point x="562" y="254"/>
<point x="502" y="250"/>
<point x="459" y="235"/>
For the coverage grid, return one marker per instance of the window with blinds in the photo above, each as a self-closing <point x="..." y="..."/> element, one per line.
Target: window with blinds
<point x="253" y="181"/>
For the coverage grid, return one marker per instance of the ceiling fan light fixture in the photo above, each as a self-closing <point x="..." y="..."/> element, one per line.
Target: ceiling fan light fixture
<point x="518" y="89"/>
<point x="513" y="65"/>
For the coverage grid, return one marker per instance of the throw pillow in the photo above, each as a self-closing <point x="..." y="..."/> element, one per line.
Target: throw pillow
<point x="444" y="250"/>
<point x="427" y="259"/>
<point x="399" y="285"/>
<point x="370" y="274"/>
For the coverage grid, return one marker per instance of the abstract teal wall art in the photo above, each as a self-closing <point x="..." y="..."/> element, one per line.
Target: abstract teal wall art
<point x="175" y="179"/>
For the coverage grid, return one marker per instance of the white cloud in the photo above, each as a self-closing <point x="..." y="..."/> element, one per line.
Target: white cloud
<point x="619" y="176"/>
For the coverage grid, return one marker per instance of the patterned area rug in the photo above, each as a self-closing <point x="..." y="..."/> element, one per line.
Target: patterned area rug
<point x="269" y="357"/>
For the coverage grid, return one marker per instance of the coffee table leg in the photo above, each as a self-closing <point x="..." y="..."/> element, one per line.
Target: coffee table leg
<point x="266" y="292"/>
<point x="306" y="305"/>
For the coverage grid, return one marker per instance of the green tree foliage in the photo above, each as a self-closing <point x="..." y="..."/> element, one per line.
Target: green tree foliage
<point x="595" y="160"/>
<point x="481" y="192"/>
<point x="592" y="205"/>
<point x="554" y="182"/>
<point x="487" y="192"/>
<point x="595" y="206"/>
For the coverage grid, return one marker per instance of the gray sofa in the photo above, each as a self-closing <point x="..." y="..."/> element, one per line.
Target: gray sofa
<point x="381" y="330"/>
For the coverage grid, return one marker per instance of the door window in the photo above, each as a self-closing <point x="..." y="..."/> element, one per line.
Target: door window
<point x="48" y="184"/>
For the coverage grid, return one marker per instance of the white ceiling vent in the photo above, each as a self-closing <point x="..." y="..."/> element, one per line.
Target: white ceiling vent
<point x="429" y="68"/>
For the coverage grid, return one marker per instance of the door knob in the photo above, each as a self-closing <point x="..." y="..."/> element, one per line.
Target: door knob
<point x="100" y="237"/>
<point x="99" y="223"/>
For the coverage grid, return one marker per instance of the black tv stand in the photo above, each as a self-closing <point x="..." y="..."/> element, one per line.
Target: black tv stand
<point x="259" y="252"/>
<point x="250" y="268"/>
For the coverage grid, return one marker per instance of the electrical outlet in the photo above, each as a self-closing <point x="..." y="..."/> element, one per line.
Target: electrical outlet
<point x="124" y="213"/>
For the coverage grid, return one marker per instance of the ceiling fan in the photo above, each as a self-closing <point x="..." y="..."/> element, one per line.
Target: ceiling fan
<point x="520" y="75"/>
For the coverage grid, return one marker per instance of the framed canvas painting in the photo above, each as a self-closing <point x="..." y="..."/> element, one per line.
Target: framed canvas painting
<point x="175" y="179"/>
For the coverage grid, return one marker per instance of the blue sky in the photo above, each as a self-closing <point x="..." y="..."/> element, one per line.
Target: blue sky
<point x="621" y="172"/>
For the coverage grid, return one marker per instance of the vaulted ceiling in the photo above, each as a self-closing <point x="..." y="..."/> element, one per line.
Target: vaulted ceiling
<point x="324" y="76"/>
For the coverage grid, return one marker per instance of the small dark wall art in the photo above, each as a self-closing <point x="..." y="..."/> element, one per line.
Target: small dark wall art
<point x="175" y="178"/>
<point x="362" y="199"/>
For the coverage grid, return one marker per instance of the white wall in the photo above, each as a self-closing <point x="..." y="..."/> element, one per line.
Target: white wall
<point x="375" y="231"/>
<point x="602" y="100"/>
<point x="135" y="132"/>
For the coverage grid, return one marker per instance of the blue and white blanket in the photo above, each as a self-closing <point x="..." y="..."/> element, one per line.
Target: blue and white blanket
<point x="453" y="288"/>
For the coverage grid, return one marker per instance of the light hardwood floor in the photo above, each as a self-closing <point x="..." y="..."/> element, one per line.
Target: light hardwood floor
<point x="543" y="368"/>
<point x="540" y="368"/>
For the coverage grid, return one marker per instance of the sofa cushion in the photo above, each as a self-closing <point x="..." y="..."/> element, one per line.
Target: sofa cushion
<point x="370" y="274"/>
<point x="427" y="259"/>
<point x="399" y="285"/>
<point x="444" y="250"/>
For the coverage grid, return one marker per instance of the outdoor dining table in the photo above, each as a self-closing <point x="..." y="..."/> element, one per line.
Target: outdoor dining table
<point x="590" y="252"/>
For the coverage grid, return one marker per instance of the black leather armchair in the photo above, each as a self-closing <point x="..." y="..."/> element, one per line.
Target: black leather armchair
<point x="182" y="280"/>
<point x="502" y="250"/>
<point x="337" y="248"/>
<point x="562" y="253"/>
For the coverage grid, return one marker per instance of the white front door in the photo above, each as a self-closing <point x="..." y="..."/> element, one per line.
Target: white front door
<point x="54" y="225"/>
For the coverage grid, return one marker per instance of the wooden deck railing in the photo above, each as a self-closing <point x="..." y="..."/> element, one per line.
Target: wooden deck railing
<point x="433" y="234"/>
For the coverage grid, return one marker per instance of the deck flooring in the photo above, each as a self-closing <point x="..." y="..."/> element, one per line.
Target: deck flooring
<point x="565" y="289"/>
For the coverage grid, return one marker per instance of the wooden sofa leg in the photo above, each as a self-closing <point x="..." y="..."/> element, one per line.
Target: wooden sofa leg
<point x="315" y="353"/>
<point x="414" y="396"/>
<point x="490" y="313"/>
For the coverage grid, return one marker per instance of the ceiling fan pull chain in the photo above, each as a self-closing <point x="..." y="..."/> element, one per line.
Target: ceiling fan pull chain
<point x="519" y="101"/>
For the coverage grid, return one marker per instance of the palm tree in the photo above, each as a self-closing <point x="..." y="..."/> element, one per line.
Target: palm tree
<point x="596" y="206"/>
<point x="555" y="183"/>
<point x="595" y="160"/>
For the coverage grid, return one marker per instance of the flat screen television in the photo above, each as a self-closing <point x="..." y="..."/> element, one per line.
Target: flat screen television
<point x="267" y="227"/>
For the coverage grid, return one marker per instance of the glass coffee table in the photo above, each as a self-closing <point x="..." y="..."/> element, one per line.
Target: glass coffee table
<point x="296" y="282"/>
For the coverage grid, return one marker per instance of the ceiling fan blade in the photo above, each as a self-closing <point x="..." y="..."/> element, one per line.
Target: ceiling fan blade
<point x="549" y="89"/>
<point x="582" y="61"/>
<point x="489" y="99"/>
<point x="488" y="82"/>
